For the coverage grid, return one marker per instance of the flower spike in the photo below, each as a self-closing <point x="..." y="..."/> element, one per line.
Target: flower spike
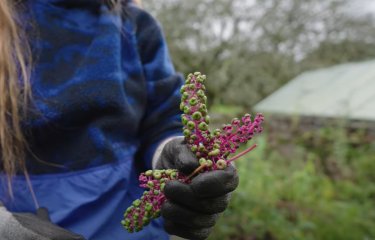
<point x="212" y="150"/>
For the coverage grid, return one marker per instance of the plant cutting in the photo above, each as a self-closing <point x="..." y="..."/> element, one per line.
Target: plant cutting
<point x="213" y="149"/>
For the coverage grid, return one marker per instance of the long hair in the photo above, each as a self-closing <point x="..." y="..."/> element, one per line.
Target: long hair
<point x="15" y="92"/>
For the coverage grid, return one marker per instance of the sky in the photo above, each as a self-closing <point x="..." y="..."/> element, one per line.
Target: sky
<point x="360" y="6"/>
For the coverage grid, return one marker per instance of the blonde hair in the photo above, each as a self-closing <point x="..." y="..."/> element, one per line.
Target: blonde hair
<point x="15" y="92"/>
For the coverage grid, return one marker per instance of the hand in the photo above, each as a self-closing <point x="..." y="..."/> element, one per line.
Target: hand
<point x="191" y="210"/>
<point x="27" y="226"/>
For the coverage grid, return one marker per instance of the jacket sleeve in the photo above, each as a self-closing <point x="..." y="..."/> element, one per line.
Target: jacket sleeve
<point x="162" y="116"/>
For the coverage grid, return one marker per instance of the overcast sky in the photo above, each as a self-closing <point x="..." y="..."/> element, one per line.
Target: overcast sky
<point x="360" y="6"/>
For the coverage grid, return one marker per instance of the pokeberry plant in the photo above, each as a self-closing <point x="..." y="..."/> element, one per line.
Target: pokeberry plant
<point x="213" y="150"/>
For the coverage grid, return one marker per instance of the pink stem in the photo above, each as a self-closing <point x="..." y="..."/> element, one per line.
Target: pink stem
<point x="195" y="172"/>
<point x="230" y="160"/>
<point x="242" y="153"/>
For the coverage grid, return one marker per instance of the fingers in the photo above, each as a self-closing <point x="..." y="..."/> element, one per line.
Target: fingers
<point x="215" y="183"/>
<point x="42" y="213"/>
<point x="186" y="161"/>
<point x="177" y="155"/>
<point x="187" y="233"/>
<point x="186" y="217"/>
<point x="182" y="194"/>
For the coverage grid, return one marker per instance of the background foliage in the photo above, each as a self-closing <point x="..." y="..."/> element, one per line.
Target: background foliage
<point x="309" y="184"/>
<point x="256" y="46"/>
<point x="322" y="188"/>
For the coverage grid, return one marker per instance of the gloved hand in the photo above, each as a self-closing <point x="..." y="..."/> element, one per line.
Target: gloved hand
<point x="29" y="226"/>
<point x="191" y="210"/>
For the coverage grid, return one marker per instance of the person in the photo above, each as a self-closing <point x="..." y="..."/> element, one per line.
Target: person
<point x="89" y="98"/>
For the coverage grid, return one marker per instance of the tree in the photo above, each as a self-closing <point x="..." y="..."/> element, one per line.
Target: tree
<point x="250" y="48"/>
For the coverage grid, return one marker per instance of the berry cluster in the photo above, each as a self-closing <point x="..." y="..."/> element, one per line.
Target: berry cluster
<point x="212" y="150"/>
<point x="148" y="206"/>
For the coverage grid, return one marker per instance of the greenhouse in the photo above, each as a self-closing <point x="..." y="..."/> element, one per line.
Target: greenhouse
<point x="342" y="91"/>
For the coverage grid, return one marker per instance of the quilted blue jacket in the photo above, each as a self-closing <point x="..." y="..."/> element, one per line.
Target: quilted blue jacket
<point x="105" y="94"/>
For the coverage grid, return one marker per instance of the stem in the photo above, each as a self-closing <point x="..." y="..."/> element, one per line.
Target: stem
<point x="230" y="160"/>
<point x="195" y="171"/>
<point x="242" y="153"/>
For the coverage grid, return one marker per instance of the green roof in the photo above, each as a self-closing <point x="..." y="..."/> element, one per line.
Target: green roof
<point x="346" y="90"/>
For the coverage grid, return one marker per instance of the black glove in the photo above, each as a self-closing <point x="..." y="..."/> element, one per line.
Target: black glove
<point x="191" y="209"/>
<point x="29" y="226"/>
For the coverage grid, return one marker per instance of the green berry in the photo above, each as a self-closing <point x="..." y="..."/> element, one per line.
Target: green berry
<point x="194" y="148"/>
<point x="157" y="174"/>
<point x="186" y="109"/>
<point x="162" y="186"/>
<point x="184" y="119"/>
<point x="129" y="209"/>
<point x="202" y="108"/>
<point x="209" y="163"/>
<point x="197" y="73"/>
<point x="193" y="101"/>
<point x="221" y="164"/>
<point x="201" y="78"/>
<point x="145" y="220"/>
<point x="187" y="132"/>
<point x="182" y="105"/>
<point x="190" y="125"/>
<point x="214" y="152"/>
<point x="202" y="161"/>
<point x="150" y="184"/>
<point x="217" y="132"/>
<point x="125" y="222"/>
<point x="193" y="137"/>
<point x="200" y="93"/>
<point x="201" y="148"/>
<point x="183" y="88"/>
<point x="203" y="126"/>
<point x="148" y="173"/>
<point x="197" y="115"/>
<point x="148" y="207"/>
<point x="184" y="96"/>
<point x="136" y="203"/>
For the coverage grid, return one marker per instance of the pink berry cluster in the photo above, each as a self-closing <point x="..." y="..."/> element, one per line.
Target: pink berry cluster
<point x="212" y="150"/>
<point x="143" y="210"/>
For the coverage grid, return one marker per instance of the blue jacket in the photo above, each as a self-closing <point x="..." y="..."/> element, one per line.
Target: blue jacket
<point x="105" y="94"/>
